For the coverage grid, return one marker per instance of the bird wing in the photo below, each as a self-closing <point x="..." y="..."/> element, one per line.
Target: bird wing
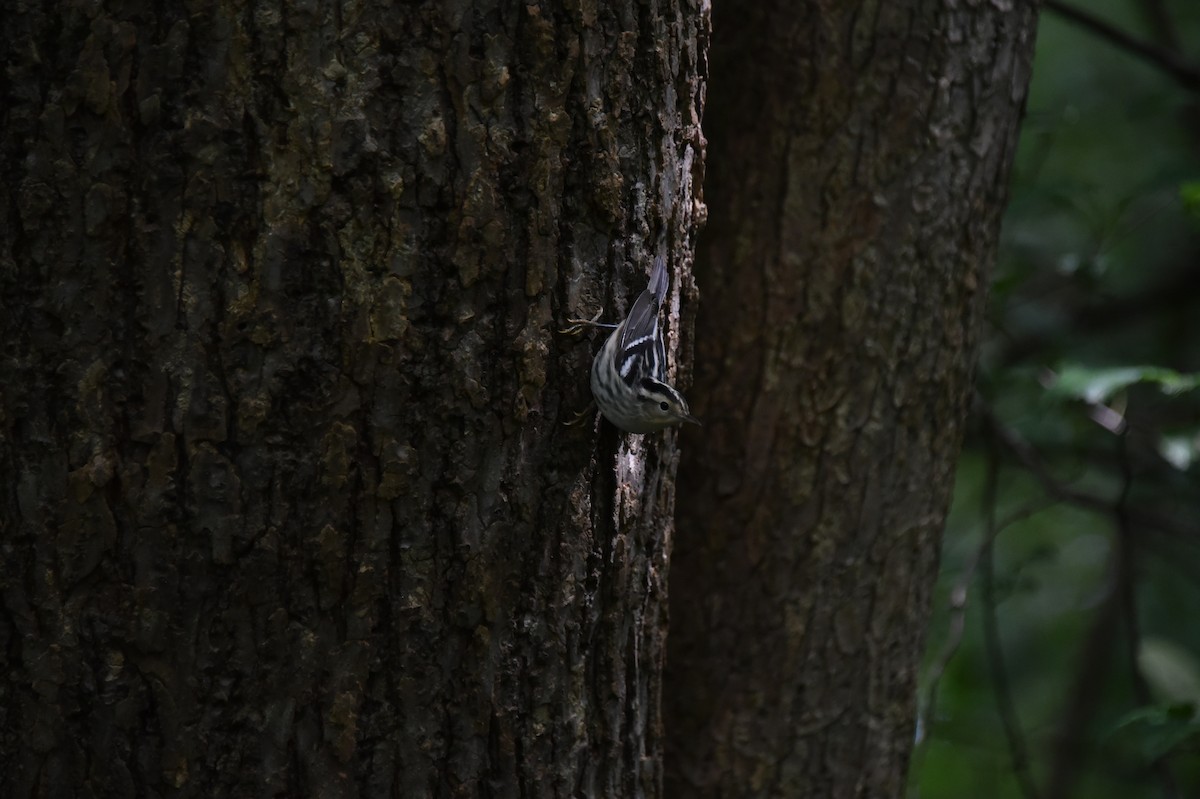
<point x="642" y="352"/>
<point x="642" y="322"/>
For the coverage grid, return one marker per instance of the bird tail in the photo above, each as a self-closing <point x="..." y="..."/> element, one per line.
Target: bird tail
<point x="642" y="322"/>
<point x="659" y="281"/>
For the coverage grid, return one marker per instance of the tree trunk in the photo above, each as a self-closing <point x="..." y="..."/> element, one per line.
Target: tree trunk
<point x="290" y="508"/>
<point x="857" y="166"/>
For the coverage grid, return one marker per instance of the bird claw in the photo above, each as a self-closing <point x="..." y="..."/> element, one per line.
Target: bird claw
<point x="577" y="326"/>
<point x="587" y="413"/>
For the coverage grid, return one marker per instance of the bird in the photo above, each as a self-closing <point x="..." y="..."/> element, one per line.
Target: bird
<point x="629" y="374"/>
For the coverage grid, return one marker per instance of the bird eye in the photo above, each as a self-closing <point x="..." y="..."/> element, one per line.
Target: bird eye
<point x="664" y="406"/>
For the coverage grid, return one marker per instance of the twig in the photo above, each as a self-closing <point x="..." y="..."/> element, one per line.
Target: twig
<point x="991" y="639"/>
<point x="1167" y="296"/>
<point x="1184" y="73"/>
<point x="1125" y="576"/>
<point x="1160" y="22"/>
<point x="1093" y="664"/>
<point x="958" y="614"/>
<point x="1028" y="458"/>
<point x="1119" y="603"/>
<point x="1094" y="658"/>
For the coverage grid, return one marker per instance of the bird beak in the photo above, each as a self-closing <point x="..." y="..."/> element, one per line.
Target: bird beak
<point x="693" y="420"/>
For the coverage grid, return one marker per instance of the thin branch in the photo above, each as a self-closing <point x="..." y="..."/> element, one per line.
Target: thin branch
<point x="1094" y="657"/>
<point x="1092" y="666"/>
<point x="1119" y="603"/>
<point x="1159" y="19"/>
<point x="1125" y="573"/>
<point x="1125" y="576"/>
<point x="958" y="613"/>
<point x="1170" y="295"/>
<point x="1028" y="458"/>
<point x="1184" y="73"/>
<point x="991" y="639"/>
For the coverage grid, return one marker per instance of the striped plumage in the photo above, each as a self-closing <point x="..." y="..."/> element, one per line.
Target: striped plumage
<point x="629" y="374"/>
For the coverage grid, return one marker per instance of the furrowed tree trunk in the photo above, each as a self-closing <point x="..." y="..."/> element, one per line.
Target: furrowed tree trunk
<point x="290" y="508"/>
<point x="856" y="174"/>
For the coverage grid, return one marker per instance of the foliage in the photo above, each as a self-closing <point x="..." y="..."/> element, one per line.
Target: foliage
<point x="1064" y="648"/>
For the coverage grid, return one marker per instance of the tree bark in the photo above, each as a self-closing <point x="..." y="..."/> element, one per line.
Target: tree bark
<point x="857" y="167"/>
<point x="290" y="508"/>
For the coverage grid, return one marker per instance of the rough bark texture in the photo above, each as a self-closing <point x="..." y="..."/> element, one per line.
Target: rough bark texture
<point x="289" y="506"/>
<point x="857" y="167"/>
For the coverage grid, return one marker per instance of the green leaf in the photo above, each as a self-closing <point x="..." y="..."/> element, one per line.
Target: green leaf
<point x="1189" y="193"/>
<point x="1157" y="730"/>
<point x="1171" y="671"/>
<point x="1180" y="450"/>
<point x="1095" y="385"/>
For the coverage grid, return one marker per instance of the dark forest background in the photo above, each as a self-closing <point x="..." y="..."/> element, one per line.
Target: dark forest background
<point x="1064" y="654"/>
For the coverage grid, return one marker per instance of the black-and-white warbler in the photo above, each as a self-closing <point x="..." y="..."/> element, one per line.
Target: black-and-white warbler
<point x="629" y="373"/>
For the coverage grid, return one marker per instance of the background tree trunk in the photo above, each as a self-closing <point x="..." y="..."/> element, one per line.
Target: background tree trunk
<point x="289" y="506"/>
<point x="857" y="172"/>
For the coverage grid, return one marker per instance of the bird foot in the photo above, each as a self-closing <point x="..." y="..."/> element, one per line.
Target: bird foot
<point x="587" y="413"/>
<point x="576" y="326"/>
